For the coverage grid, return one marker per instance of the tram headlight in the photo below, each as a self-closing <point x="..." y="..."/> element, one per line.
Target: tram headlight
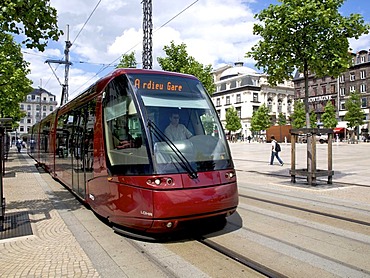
<point x="160" y="181"/>
<point x="229" y="175"/>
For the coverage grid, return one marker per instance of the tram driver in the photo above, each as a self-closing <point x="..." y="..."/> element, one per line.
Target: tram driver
<point x="176" y="131"/>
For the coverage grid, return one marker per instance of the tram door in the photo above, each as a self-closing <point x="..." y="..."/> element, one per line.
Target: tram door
<point x="82" y="148"/>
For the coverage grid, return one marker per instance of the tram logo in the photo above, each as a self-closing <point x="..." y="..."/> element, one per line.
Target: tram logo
<point x="143" y="212"/>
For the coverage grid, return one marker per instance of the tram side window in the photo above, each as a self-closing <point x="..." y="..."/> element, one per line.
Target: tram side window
<point x="45" y="137"/>
<point x="123" y="131"/>
<point x="64" y="130"/>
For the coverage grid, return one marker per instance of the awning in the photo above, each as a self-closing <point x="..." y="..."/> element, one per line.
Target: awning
<point x="338" y="129"/>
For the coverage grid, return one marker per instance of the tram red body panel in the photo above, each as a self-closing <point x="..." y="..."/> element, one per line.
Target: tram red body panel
<point x="125" y="186"/>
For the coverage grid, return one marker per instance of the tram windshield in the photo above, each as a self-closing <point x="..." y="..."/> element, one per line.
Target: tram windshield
<point x="184" y="130"/>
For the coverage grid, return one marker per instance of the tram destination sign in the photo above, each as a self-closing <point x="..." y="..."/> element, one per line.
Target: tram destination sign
<point x="158" y="86"/>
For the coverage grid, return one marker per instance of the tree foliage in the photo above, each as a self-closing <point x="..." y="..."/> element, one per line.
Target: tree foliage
<point x="232" y="120"/>
<point x="355" y="115"/>
<point x="298" y="116"/>
<point x="260" y="119"/>
<point x="307" y="35"/>
<point x="14" y="84"/>
<point x="313" y="119"/>
<point x="328" y="118"/>
<point x="178" y="60"/>
<point x="127" y="61"/>
<point x="36" y="19"/>
<point x="282" y="119"/>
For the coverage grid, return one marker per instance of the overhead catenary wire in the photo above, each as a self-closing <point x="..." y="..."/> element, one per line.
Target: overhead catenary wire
<point x="133" y="47"/>
<point x="78" y="34"/>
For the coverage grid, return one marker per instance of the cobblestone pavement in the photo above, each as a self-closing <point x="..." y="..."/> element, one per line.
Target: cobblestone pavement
<point x="52" y="250"/>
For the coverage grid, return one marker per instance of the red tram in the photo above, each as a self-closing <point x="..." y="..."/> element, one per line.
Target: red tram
<point x="109" y="146"/>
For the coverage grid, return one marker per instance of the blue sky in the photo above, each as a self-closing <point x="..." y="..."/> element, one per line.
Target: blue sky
<point x="216" y="32"/>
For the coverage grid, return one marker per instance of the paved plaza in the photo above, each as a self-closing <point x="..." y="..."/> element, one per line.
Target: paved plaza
<point x="60" y="246"/>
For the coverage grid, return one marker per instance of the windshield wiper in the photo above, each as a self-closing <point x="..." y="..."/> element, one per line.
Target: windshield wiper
<point x="184" y="161"/>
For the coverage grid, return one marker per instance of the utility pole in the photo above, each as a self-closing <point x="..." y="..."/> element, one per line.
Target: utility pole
<point x="67" y="63"/>
<point x="147" y="29"/>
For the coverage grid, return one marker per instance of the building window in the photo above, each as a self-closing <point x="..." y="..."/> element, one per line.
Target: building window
<point x="227" y="100"/>
<point x="239" y="111"/>
<point x="28" y="114"/>
<point x="314" y="91"/>
<point x="33" y="97"/>
<point x="297" y="93"/>
<point x="342" y="105"/>
<point x="238" y="98"/>
<point x="22" y="107"/>
<point x="362" y="59"/>
<point x="363" y="88"/>
<point x="269" y="104"/>
<point x="363" y="74"/>
<point x="352" y="88"/>
<point x="352" y="76"/>
<point x="44" y="108"/>
<point x="364" y="102"/>
<point x="28" y="107"/>
<point x="44" y="115"/>
<point x="332" y="89"/>
<point x="218" y="102"/>
<point x="289" y="106"/>
<point x="51" y="109"/>
<point x="280" y="106"/>
<point x="44" y="98"/>
<point x="37" y="107"/>
<point x="255" y="97"/>
<point x="342" y="91"/>
<point x="323" y="89"/>
<point x="51" y="99"/>
<point x="342" y="78"/>
<point x="29" y="121"/>
<point x="21" y="128"/>
<point x="22" y="121"/>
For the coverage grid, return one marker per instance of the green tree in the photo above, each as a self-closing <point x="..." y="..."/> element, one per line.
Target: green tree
<point x="355" y="115"/>
<point x="36" y="19"/>
<point x="260" y="119"/>
<point x="298" y="115"/>
<point x="14" y="84"/>
<point x="328" y="118"/>
<point x="178" y="60"/>
<point x="307" y="35"/>
<point x="282" y="119"/>
<point x="127" y="61"/>
<point x="232" y="120"/>
<point x="313" y="119"/>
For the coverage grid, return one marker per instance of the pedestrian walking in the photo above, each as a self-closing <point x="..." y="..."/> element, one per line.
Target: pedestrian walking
<point x="275" y="149"/>
<point x="19" y="144"/>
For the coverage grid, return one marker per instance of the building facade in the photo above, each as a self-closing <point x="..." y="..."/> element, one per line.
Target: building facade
<point x="246" y="90"/>
<point x="338" y="90"/>
<point x="37" y="105"/>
